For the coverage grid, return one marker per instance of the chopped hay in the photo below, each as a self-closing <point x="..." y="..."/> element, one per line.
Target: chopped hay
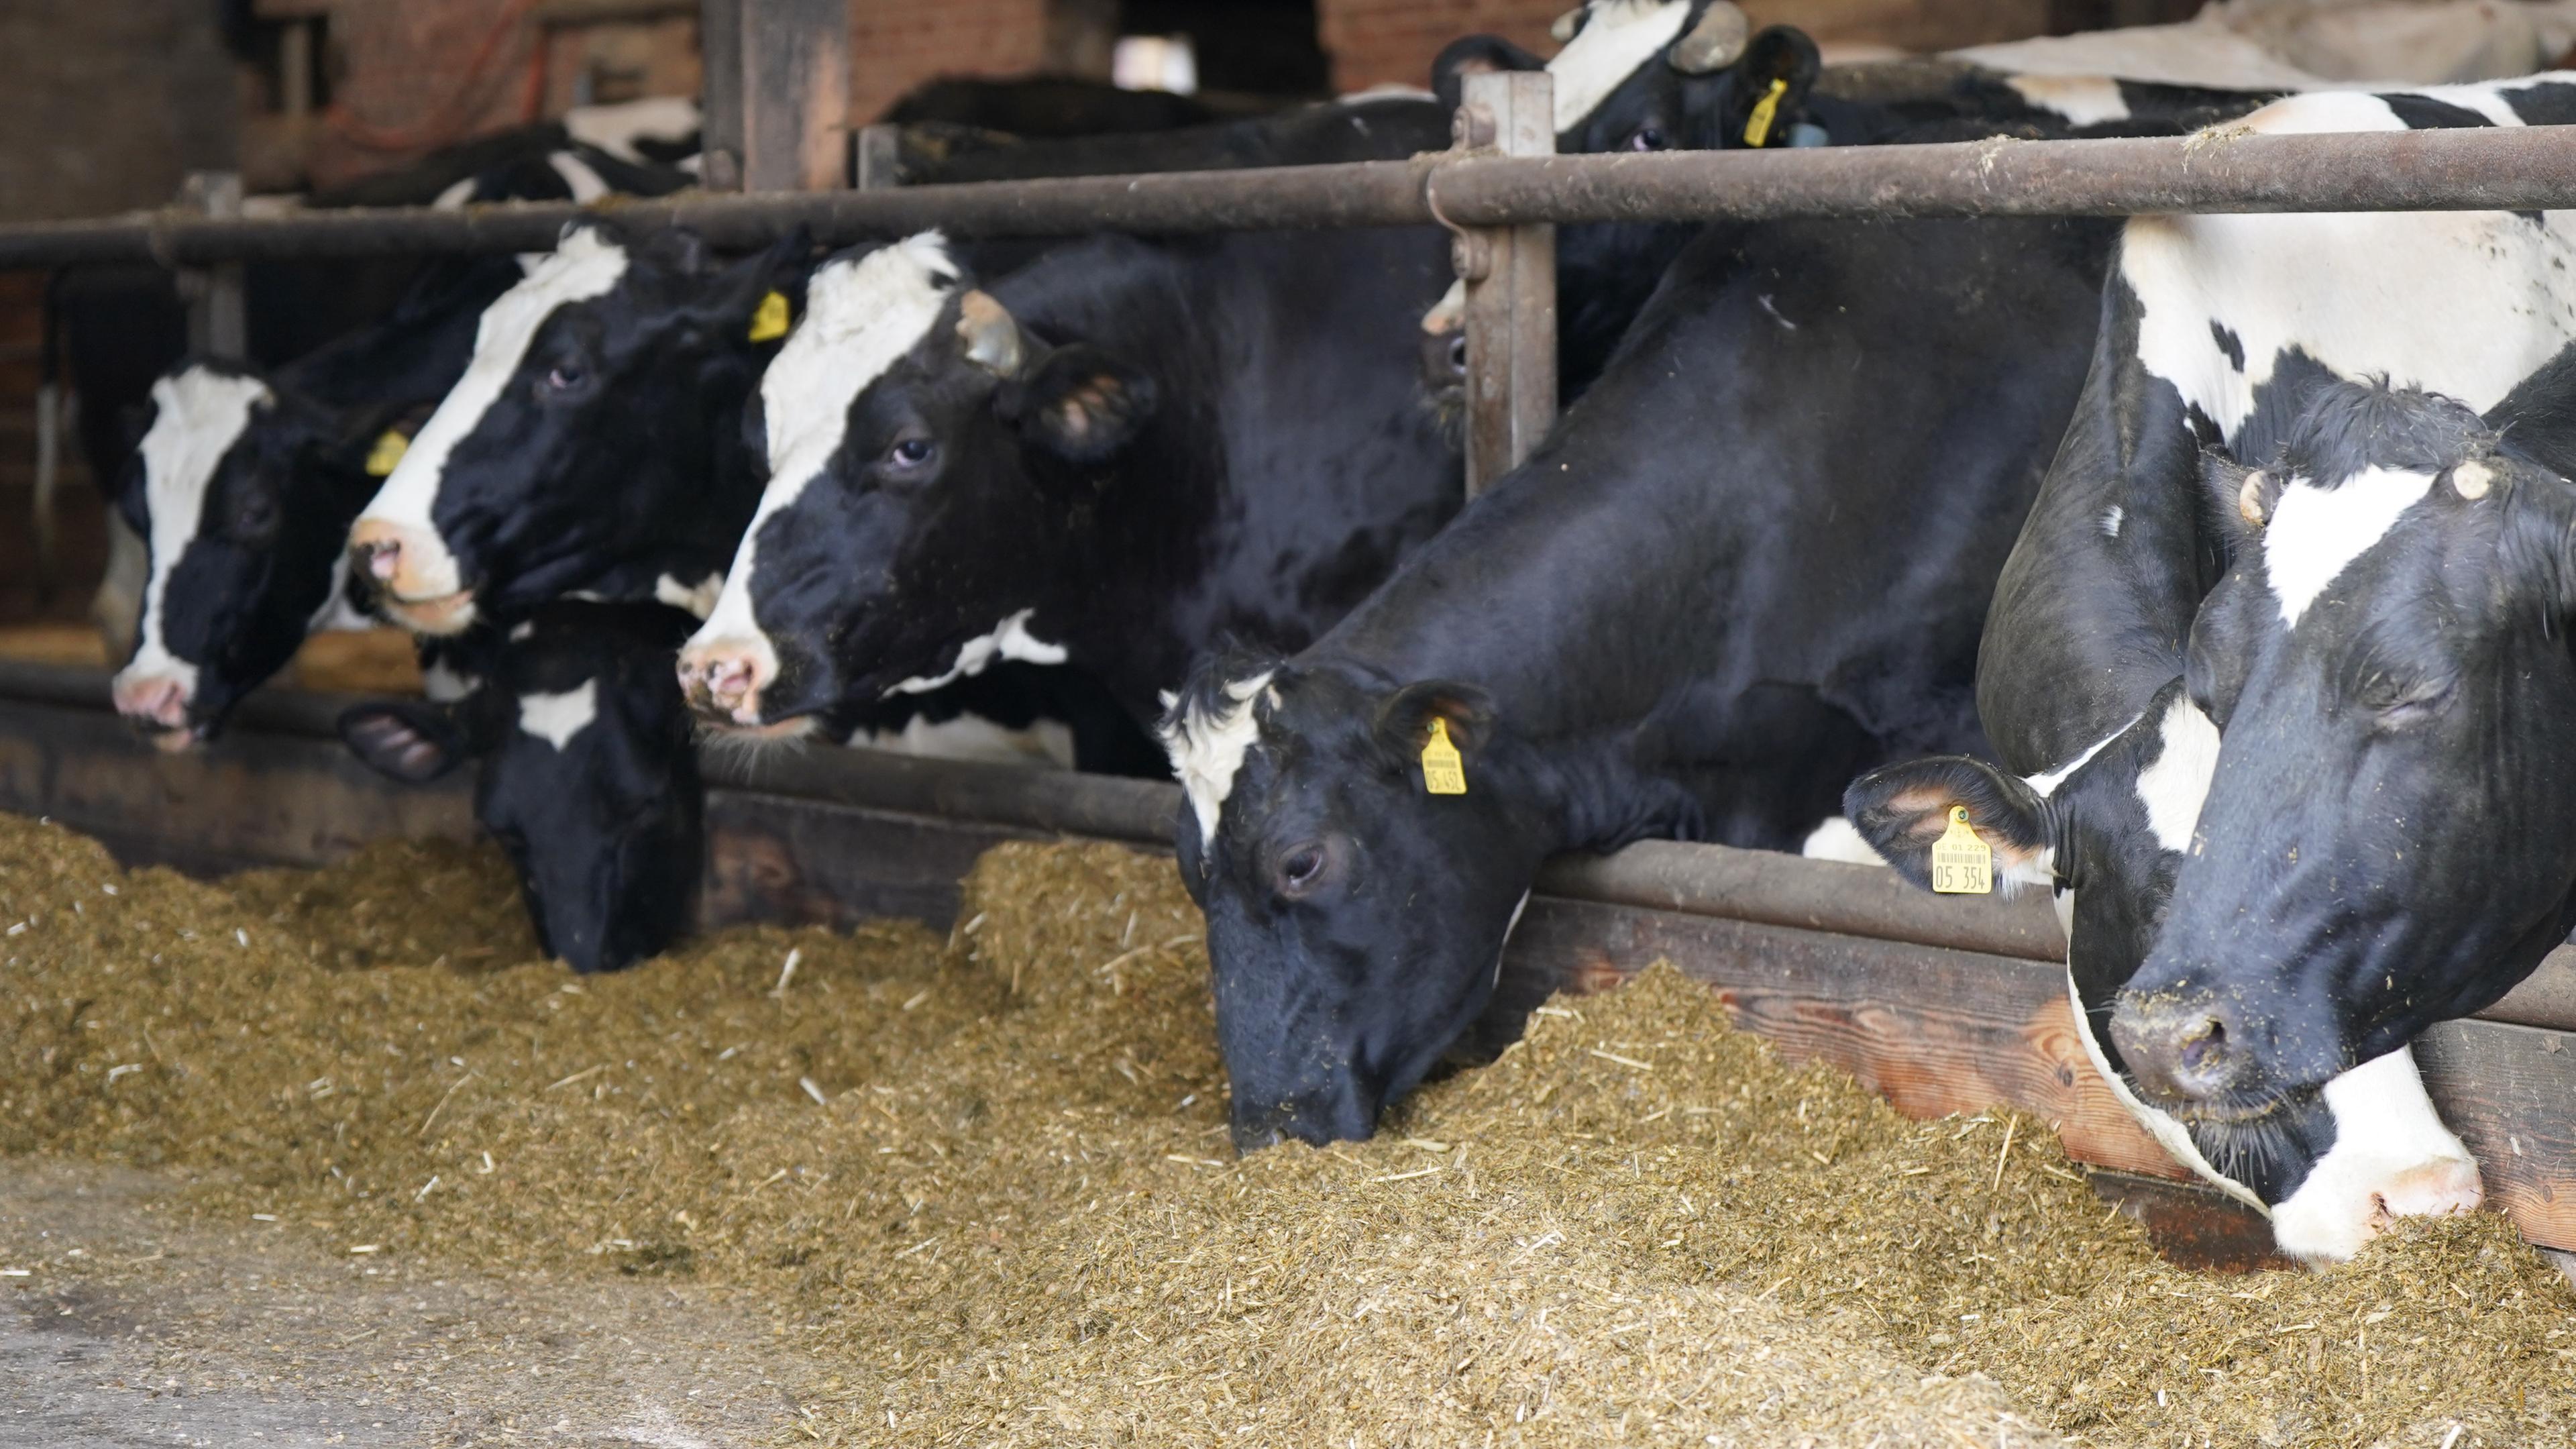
<point x="1012" y="1217"/>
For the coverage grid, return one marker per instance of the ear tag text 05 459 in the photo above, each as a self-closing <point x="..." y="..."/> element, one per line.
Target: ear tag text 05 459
<point x="1444" y="771"/>
<point x="1757" y="126"/>
<point x="769" y="320"/>
<point x="1962" y="865"/>
<point x="389" y="449"/>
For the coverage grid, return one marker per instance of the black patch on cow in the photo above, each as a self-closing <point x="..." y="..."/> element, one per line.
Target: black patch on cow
<point x="2229" y="343"/>
<point x="2423" y="113"/>
<point x="2550" y="103"/>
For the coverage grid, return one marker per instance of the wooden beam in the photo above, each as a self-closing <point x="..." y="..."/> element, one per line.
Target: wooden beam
<point x="1510" y="273"/>
<point x="777" y="94"/>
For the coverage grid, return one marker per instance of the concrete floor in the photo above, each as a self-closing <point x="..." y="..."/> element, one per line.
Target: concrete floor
<point x="134" y="1327"/>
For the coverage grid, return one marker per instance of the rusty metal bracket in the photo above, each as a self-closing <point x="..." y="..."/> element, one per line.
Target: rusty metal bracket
<point x="1510" y="272"/>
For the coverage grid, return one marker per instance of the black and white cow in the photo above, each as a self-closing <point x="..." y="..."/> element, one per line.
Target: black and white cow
<point x="242" y="489"/>
<point x="1756" y="553"/>
<point x="587" y="774"/>
<point x="1118" y="456"/>
<point x="592" y="443"/>
<point x="2224" y="332"/>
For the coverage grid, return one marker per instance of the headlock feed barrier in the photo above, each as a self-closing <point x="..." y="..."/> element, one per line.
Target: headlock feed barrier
<point x="1943" y="1004"/>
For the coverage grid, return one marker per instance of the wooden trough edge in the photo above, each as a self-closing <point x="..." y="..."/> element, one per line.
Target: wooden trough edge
<point x="1940" y="1004"/>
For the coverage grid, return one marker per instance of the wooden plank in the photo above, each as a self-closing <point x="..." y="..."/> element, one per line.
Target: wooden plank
<point x="2194" y="1224"/>
<point x="2507" y="1091"/>
<point x="779" y="859"/>
<point x="795" y="95"/>
<point x="721" y="125"/>
<point x="1511" y="287"/>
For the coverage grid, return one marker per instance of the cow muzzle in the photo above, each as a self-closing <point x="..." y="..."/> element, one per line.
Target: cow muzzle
<point x="2187" y="1055"/>
<point x="723" y="679"/>
<point x="412" y="574"/>
<point x="157" y="704"/>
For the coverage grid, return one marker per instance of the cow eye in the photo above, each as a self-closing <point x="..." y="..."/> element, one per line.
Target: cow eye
<point x="255" y="513"/>
<point x="1302" y="869"/>
<point x="565" y="376"/>
<point x="2417" y="706"/>
<point x="912" y="453"/>
<point x="1646" y="138"/>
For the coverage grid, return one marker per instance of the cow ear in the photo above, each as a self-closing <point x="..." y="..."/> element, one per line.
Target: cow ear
<point x="678" y="248"/>
<point x="1404" y="719"/>
<point x="2237" y="499"/>
<point x="411" y="742"/>
<point x="1902" y="809"/>
<point x="1475" y="55"/>
<point x="1765" y="92"/>
<point x="1082" y="403"/>
<point x="730" y="304"/>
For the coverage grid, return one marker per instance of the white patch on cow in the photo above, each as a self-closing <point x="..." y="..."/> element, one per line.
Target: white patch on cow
<point x="2166" y="1128"/>
<point x="440" y="683"/>
<point x="616" y="128"/>
<point x="860" y="318"/>
<point x="2112" y="517"/>
<point x="587" y="265"/>
<point x="338" y="615"/>
<point x="1509" y="926"/>
<point x="522" y="631"/>
<point x="2392" y="1157"/>
<point x="577" y="174"/>
<point x="1839" y="839"/>
<point x="1207" y="749"/>
<point x="1046" y="742"/>
<point x="2175" y="787"/>
<point x="698" y="598"/>
<point x="1617" y="37"/>
<point x="198" y="414"/>
<point x="454" y="197"/>
<point x="1010" y="639"/>
<point x="556" y="718"/>
<point x="2195" y="53"/>
<point x="2084" y="100"/>
<point x="2047" y="781"/>
<point x="1383" y="91"/>
<point x="2316" y="533"/>
<point x="2348" y="288"/>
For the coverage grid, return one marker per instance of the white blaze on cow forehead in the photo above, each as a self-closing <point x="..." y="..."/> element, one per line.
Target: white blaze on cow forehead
<point x="556" y="718"/>
<point x="2175" y="787"/>
<point x="2392" y="1157"/>
<point x="1010" y="639"/>
<point x="2348" y="288"/>
<point x="198" y="414"/>
<point x="1207" y="749"/>
<point x="860" y="317"/>
<point x="2315" y="533"/>
<point x="588" y="264"/>
<point x="1617" y="37"/>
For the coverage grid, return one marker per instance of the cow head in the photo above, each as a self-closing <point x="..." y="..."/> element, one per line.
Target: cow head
<point x="928" y="459"/>
<point x="1355" y="921"/>
<point x="587" y="779"/>
<point x="1654" y="75"/>
<point x="2385" y="844"/>
<point x="2109" y="832"/>
<point x="240" y="493"/>
<point x="600" y="388"/>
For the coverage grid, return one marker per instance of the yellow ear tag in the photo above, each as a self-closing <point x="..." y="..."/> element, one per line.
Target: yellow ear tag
<point x="1962" y="865"/>
<point x="1444" y="771"/>
<point x="389" y="448"/>
<point x="769" y="322"/>
<point x="1757" y="126"/>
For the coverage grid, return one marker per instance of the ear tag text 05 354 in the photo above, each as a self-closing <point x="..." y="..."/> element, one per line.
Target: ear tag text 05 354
<point x="389" y="449"/>
<point x="1444" y="771"/>
<point x="769" y="320"/>
<point x="1962" y="865"/>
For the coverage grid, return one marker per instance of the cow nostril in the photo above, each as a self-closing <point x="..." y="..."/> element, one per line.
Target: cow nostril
<point x="2204" y="1045"/>
<point x="381" y="557"/>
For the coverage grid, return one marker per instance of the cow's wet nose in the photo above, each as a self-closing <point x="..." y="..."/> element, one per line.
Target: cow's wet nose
<point x="723" y="679"/>
<point x="2181" y="1050"/>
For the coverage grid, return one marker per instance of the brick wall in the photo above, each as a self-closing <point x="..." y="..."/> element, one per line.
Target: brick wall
<point x="1383" y="42"/>
<point x="898" y="44"/>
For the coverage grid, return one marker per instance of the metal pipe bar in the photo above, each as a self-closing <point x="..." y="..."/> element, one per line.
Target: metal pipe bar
<point x="2469" y="169"/>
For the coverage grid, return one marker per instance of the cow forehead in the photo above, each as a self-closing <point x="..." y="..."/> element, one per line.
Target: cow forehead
<point x="1207" y="745"/>
<point x="1617" y="37"/>
<point x="2316" y="532"/>
<point x="861" y="316"/>
<point x="588" y="264"/>
<point x="198" y="415"/>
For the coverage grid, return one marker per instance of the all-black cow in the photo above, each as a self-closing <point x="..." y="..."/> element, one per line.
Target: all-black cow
<point x="587" y="775"/>
<point x="2269" y="1048"/>
<point x="1755" y="554"/>
<point x="242" y="489"/>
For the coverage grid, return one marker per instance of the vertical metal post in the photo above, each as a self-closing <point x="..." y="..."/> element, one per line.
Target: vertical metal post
<point x="218" y="326"/>
<point x="777" y="94"/>
<point x="1511" y="286"/>
<point x="880" y="158"/>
